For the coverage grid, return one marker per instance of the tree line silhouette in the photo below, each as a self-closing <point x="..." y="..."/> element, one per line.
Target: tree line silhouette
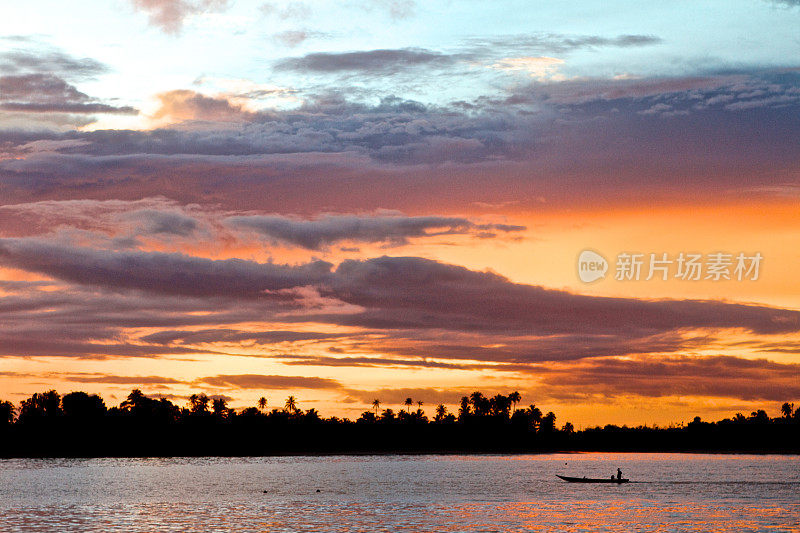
<point x="81" y="425"/>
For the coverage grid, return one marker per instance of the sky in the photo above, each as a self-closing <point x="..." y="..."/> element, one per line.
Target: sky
<point x="349" y="200"/>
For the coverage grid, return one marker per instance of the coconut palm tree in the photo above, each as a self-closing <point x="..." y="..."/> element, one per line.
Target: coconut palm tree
<point x="480" y="404"/>
<point x="441" y="412"/>
<point x="199" y="403"/>
<point x="548" y="423"/>
<point x="7" y="412"/>
<point x="499" y="406"/>
<point x="419" y="407"/>
<point x="220" y="407"/>
<point x="262" y="403"/>
<point x="463" y="409"/>
<point x="376" y="404"/>
<point x="535" y="415"/>
<point x="787" y="409"/>
<point x="514" y="398"/>
<point x="291" y="404"/>
<point x="134" y="400"/>
<point x="408" y="403"/>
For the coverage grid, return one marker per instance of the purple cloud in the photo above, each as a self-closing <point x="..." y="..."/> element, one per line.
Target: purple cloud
<point x="394" y="229"/>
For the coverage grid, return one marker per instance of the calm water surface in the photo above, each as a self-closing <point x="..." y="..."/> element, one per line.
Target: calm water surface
<point x="400" y="493"/>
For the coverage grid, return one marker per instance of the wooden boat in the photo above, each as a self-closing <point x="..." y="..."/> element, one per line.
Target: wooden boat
<point x="593" y="479"/>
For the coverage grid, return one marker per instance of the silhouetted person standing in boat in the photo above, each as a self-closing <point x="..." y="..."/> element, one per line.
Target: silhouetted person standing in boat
<point x="619" y="473"/>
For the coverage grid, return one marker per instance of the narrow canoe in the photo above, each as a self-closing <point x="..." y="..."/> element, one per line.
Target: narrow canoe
<point x="592" y="480"/>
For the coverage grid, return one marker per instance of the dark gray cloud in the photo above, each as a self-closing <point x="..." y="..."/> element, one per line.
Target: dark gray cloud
<point x="49" y="93"/>
<point x="87" y="323"/>
<point x="235" y="336"/>
<point x="269" y="382"/>
<point x="411" y="292"/>
<point x="155" y="222"/>
<point x="375" y="62"/>
<point x="555" y="43"/>
<point x="42" y="59"/>
<point x="39" y="79"/>
<point x="392" y="61"/>
<point x="38" y="87"/>
<point x="90" y="323"/>
<point x="122" y="224"/>
<point x="119" y="223"/>
<point x="66" y="107"/>
<point x="178" y="273"/>
<point x="577" y="92"/>
<point x="394" y="132"/>
<point x="393" y="229"/>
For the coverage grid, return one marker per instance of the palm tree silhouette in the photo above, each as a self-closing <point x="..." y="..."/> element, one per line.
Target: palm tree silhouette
<point x="262" y="403"/>
<point x="291" y="404"/>
<point x="535" y="416"/>
<point x="419" y="407"/>
<point x="441" y="412"/>
<point x="463" y="410"/>
<point x="408" y="403"/>
<point x="479" y="403"/>
<point x="514" y="397"/>
<point x="133" y="400"/>
<point x="7" y="412"/>
<point x="376" y="404"/>
<point x="220" y="407"/>
<point x="199" y="403"/>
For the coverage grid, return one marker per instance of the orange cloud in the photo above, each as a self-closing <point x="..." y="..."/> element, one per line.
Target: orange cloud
<point x="190" y="106"/>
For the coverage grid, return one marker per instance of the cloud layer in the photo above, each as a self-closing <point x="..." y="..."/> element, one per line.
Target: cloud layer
<point x="543" y="140"/>
<point x="411" y="307"/>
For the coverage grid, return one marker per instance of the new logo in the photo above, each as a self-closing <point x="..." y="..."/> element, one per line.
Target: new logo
<point x="591" y="266"/>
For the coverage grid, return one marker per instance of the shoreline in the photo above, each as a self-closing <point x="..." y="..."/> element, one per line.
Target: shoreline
<point x="406" y="454"/>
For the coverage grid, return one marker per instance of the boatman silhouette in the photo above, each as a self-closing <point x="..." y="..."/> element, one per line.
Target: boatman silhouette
<point x="619" y="473"/>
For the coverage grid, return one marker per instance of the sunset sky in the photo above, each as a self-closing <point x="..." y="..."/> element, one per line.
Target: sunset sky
<point x="345" y="200"/>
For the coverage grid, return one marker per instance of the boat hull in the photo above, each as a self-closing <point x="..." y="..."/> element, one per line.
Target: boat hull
<point x="592" y="480"/>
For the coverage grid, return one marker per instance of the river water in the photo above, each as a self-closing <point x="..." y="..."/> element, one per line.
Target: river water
<point x="668" y="492"/>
